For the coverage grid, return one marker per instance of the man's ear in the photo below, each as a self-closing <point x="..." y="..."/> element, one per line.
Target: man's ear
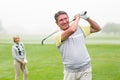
<point x="56" y="22"/>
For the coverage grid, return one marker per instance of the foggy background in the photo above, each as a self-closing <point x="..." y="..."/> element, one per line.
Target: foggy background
<point x="37" y="16"/>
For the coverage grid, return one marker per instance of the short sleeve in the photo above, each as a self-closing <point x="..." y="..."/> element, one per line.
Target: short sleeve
<point x="86" y="30"/>
<point x="58" y="38"/>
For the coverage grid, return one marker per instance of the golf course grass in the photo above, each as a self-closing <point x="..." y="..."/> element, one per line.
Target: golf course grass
<point x="44" y="62"/>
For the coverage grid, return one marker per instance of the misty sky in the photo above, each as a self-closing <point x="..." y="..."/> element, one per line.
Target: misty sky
<point x="37" y="16"/>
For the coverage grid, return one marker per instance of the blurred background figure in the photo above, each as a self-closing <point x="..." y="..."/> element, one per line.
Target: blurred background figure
<point x="20" y="61"/>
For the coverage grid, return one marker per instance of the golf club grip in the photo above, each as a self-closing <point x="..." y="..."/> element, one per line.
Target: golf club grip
<point x="84" y="14"/>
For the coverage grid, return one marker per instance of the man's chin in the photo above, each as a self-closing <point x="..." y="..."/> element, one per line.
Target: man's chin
<point x="66" y="28"/>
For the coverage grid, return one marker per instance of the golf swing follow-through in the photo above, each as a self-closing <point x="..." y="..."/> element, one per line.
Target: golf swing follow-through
<point x="82" y="15"/>
<point x="70" y="40"/>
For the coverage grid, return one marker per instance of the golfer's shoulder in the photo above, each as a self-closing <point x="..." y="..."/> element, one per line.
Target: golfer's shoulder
<point x="86" y="30"/>
<point x="21" y="43"/>
<point x="58" y="33"/>
<point x="85" y="27"/>
<point x="13" y="45"/>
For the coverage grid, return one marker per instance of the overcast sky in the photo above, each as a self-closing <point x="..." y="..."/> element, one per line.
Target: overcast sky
<point x="37" y="16"/>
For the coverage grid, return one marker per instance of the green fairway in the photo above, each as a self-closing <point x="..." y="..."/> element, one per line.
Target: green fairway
<point x="44" y="62"/>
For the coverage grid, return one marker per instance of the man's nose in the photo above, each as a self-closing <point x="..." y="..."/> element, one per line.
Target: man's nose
<point x="64" y="21"/>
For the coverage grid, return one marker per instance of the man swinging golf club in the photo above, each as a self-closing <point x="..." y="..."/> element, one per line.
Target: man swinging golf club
<point x="70" y="41"/>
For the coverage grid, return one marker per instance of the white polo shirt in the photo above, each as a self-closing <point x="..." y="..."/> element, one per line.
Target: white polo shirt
<point x="73" y="50"/>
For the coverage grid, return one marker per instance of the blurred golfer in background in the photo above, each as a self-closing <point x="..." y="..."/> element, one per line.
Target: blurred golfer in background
<point x="70" y="41"/>
<point x="20" y="60"/>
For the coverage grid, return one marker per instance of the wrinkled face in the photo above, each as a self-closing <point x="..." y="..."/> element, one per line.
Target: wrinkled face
<point x="16" y="39"/>
<point x="63" y="21"/>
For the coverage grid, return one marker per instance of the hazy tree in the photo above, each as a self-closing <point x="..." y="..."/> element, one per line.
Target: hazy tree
<point x="2" y="30"/>
<point x="111" y="28"/>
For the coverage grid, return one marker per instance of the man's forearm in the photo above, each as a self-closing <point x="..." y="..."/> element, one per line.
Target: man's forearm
<point x="94" y="26"/>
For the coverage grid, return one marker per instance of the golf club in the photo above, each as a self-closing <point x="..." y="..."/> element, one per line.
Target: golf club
<point x="42" y="42"/>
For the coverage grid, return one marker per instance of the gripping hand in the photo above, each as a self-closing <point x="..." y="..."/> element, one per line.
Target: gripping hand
<point x="83" y="15"/>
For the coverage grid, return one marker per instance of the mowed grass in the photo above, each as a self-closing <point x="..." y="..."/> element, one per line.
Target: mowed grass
<point x="44" y="62"/>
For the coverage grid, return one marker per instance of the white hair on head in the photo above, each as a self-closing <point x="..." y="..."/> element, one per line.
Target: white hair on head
<point x="14" y="37"/>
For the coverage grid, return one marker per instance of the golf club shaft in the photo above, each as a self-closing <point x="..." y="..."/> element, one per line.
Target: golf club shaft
<point x="42" y="42"/>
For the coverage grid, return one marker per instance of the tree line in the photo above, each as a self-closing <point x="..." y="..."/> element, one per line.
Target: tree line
<point x="108" y="28"/>
<point x="111" y="28"/>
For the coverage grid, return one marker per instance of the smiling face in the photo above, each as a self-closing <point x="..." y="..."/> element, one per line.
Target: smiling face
<point x="63" y="21"/>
